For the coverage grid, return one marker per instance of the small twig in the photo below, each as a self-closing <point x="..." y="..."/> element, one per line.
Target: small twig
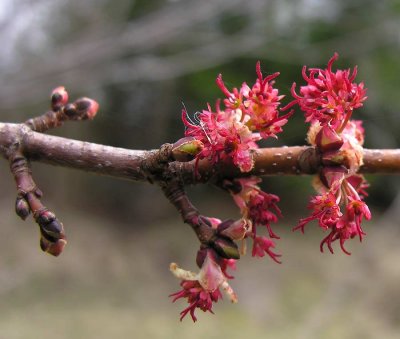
<point x="52" y="234"/>
<point x="155" y="167"/>
<point x="175" y="193"/>
<point x="80" y="109"/>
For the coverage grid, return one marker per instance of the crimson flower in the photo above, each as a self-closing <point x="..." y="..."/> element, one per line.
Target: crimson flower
<point x="340" y="210"/>
<point x="250" y="114"/>
<point x="258" y="208"/>
<point x="197" y="297"/>
<point x="223" y="136"/>
<point x="329" y="97"/>
<point x="328" y="100"/>
<point x="262" y="246"/>
<point x="202" y="289"/>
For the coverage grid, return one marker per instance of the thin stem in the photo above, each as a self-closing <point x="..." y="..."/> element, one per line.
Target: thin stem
<point x="346" y="120"/>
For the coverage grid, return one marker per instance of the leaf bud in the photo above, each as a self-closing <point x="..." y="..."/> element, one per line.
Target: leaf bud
<point x="226" y="248"/>
<point x="53" y="229"/>
<point x="44" y="217"/>
<point x="186" y="149"/>
<point x="22" y="208"/>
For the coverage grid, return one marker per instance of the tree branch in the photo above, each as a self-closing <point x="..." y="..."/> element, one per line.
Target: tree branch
<point x="132" y="165"/>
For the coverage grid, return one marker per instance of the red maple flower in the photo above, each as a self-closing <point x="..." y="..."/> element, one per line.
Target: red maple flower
<point x="329" y="97"/>
<point x="249" y="115"/>
<point x="202" y="289"/>
<point x="223" y="136"/>
<point x="259" y="209"/>
<point x="262" y="246"/>
<point x="257" y="206"/>
<point x="197" y="297"/>
<point x="346" y="192"/>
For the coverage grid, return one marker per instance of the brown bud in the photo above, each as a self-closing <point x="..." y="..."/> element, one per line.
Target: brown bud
<point x="44" y="217"/>
<point x="50" y="227"/>
<point x="53" y="229"/>
<point x="53" y="248"/>
<point x="22" y="208"/>
<point x="86" y="108"/>
<point x="59" y="98"/>
<point x="71" y="112"/>
<point x="186" y="149"/>
<point x="226" y="248"/>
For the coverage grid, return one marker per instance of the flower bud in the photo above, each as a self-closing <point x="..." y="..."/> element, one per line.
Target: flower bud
<point x="226" y="248"/>
<point x="328" y="140"/>
<point x="86" y="108"/>
<point x="70" y="111"/>
<point x="44" y="217"/>
<point x="50" y="227"/>
<point x="53" y="248"/>
<point x="186" y="149"/>
<point x="59" y="98"/>
<point x="53" y="229"/>
<point x="22" y="208"/>
<point x="234" y="230"/>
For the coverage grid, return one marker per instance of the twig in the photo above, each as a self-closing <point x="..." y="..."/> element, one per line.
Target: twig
<point x="128" y="164"/>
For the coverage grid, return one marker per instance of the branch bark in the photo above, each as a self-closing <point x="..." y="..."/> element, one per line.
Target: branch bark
<point x="129" y="164"/>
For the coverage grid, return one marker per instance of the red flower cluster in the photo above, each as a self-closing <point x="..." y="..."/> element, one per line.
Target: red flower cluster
<point x="343" y="225"/>
<point x="258" y="208"/>
<point x="328" y="101"/>
<point x="329" y="97"/>
<point x="250" y="114"/>
<point x="197" y="297"/>
<point x="203" y="289"/>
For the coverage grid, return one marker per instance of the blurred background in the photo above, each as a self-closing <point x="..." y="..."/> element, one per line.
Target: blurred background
<point x="140" y="60"/>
